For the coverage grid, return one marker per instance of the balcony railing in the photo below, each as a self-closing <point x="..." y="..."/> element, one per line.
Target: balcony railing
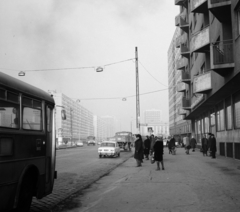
<point x="200" y="41"/>
<point x="179" y="2"/>
<point x="197" y="99"/>
<point x="202" y="83"/>
<point x="181" y="87"/>
<point x="223" y="53"/>
<point x="181" y="63"/>
<point x="199" y="6"/>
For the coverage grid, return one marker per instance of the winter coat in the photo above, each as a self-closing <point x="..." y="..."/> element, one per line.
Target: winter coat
<point x="147" y="144"/>
<point x="158" y="150"/>
<point x="138" y="150"/>
<point x="193" y="143"/>
<point x="213" y="142"/>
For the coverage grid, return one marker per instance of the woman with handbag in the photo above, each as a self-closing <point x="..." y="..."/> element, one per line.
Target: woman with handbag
<point x="158" y="152"/>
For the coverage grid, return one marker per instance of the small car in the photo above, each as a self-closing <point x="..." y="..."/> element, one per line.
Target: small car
<point x="109" y="149"/>
<point x="79" y="143"/>
<point x="91" y="142"/>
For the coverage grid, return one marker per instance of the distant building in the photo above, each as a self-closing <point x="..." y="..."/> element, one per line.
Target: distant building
<point x="78" y="123"/>
<point x="210" y="47"/>
<point x="153" y="116"/>
<point x="161" y="128"/>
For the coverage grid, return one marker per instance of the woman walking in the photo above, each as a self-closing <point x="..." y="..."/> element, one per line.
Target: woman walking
<point x="138" y="155"/>
<point x="158" y="152"/>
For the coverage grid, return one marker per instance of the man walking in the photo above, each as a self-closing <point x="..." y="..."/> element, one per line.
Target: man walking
<point x="193" y="143"/>
<point x="213" y="147"/>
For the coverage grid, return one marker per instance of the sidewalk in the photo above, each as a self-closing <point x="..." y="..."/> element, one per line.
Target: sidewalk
<point x="189" y="183"/>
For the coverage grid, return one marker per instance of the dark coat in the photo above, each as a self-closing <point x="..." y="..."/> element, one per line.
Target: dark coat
<point x="147" y="144"/>
<point x="213" y="142"/>
<point x="193" y="143"/>
<point x="204" y="144"/>
<point x="171" y="143"/>
<point x="138" y="150"/>
<point x="158" y="151"/>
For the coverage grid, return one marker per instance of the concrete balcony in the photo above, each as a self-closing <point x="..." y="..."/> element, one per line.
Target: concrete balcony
<point x="222" y="57"/>
<point x="196" y="100"/>
<point x="221" y="9"/>
<point x="186" y="103"/>
<point x="179" y="2"/>
<point x="177" y="20"/>
<point x="178" y="41"/>
<point x="202" y="83"/>
<point x="181" y="63"/>
<point x="200" y="42"/>
<point x="186" y="77"/>
<point x="184" y="50"/>
<point x="181" y="87"/>
<point x="182" y="111"/>
<point x="199" y="6"/>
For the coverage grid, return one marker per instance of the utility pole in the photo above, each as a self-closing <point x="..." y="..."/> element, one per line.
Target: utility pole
<point x="137" y="92"/>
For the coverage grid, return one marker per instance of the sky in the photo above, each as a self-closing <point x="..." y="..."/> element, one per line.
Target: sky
<point x="67" y="34"/>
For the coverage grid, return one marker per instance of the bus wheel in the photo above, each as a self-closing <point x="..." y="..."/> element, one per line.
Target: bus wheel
<point x="26" y="194"/>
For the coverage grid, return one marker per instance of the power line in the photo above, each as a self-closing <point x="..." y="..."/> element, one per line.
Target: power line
<point x="152" y="75"/>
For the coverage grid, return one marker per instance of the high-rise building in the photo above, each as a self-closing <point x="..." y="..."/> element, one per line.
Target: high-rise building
<point x="177" y="86"/>
<point x="79" y="120"/>
<point x="209" y="47"/>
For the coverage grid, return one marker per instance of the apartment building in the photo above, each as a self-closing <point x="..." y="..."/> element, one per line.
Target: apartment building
<point x="78" y="123"/>
<point x="177" y="87"/>
<point x="209" y="48"/>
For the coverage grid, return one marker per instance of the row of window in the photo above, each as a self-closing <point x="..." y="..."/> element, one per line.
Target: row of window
<point x="225" y="116"/>
<point x="31" y="112"/>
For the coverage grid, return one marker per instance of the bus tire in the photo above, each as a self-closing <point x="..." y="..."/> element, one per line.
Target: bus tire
<point x="26" y="194"/>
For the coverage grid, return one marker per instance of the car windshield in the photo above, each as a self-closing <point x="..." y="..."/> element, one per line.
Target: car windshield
<point x="108" y="144"/>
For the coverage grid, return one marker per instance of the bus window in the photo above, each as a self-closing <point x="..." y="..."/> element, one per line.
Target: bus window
<point x="32" y="114"/>
<point x="49" y="121"/>
<point x="9" y="115"/>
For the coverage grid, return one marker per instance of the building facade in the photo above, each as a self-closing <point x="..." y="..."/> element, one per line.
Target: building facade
<point x="152" y="116"/>
<point x="78" y="124"/>
<point x="177" y="87"/>
<point x="209" y="48"/>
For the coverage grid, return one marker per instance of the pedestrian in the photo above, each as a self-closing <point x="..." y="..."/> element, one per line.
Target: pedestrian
<point x="146" y="151"/>
<point x="209" y="143"/>
<point x="213" y="146"/>
<point x="193" y="143"/>
<point x="138" y="155"/>
<point x="171" y="144"/>
<point x="204" y="145"/>
<point x="152" y="142"/>
<point x="187" y="145"/>
<point x="158" y="152"/>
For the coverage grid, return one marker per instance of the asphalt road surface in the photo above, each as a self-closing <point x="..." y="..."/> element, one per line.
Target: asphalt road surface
<point x="77" y="169"/>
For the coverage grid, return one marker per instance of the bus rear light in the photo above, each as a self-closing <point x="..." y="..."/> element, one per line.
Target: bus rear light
<point x="6" y="146"/>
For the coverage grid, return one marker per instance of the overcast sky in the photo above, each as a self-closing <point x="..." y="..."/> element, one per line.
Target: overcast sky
<point x="52" y="34"/>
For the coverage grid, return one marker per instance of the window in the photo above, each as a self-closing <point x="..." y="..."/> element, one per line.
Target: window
<point x="212" y="118"/>
<point x="49" y="119"/>
<point x="206" y="124"/>
<point x="202" y="69"/>
<point x="237" y="110"/>
<point x="220" y="117"/>
<point x="32" y="114"/>
<point x="9" y="115"/>
<point x="228" y="112"/>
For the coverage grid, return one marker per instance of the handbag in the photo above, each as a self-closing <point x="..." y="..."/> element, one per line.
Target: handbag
<point x="152" y="160"/>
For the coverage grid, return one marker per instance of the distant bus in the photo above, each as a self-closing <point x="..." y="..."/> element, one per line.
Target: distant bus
<point x="124" y="139"/>
<point x="27" y="144"/>
<point x="91" y="140"/>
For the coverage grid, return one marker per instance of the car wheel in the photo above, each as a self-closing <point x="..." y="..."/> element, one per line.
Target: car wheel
<point x="100" y="156"/>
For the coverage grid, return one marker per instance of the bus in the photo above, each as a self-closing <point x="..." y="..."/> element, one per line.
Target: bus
<point x="27" y="144"/>
<point x="124" y="140"/>
<point x="91" y="140"/>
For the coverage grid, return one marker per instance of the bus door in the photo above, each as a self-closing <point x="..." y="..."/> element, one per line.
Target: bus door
<point x="51" y="148"/>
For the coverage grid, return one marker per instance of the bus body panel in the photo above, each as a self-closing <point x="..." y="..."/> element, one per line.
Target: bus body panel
<point x="25" y="151"/>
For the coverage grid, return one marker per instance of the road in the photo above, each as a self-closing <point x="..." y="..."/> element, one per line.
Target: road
<point x="77" y="169"/>
<point x="189" y="183"/>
